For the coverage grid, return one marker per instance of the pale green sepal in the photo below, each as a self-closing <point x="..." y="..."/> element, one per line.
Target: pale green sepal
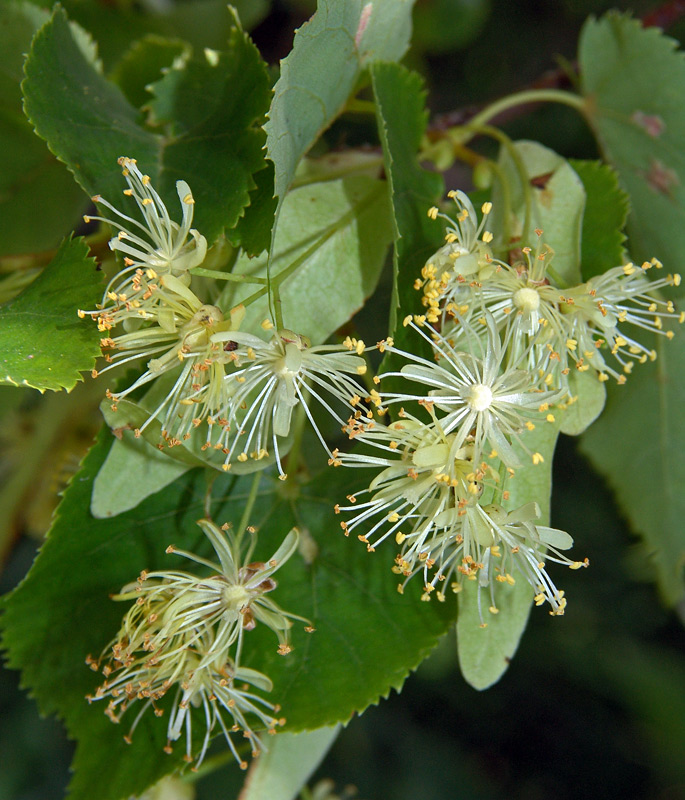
<point x="285" y="550"/>
<point x="529" y="511"/>
<point x="282" y="771"/>
<point x="555" y="537"/>
<point x="132" y="471"/>
<point x="557" y="203"/>
<point x="257" y="679"/>
<point x="485" y="653"/>
<point x="590" y="396"/>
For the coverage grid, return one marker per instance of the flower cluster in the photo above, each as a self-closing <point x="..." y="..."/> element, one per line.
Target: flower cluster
<point x="551" y="330"/>
<point x="198" y="366"/>
<point x="503" y="340"/>
<point x="493" y="359"/>
<point x="184" y="635"/>
<point x="436" y="471"/>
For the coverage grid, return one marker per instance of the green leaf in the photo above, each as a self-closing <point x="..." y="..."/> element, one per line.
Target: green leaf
<point x="486" y="642"/>
<point x="19" y="21"/>
<point x="208" y="23"/>
<point x="29" y="172"/>
<point x="319" y="75"/>
<point x="213" y="103"/>
<point x="588" y="396"/>
<point x="200" y="23"/>
<point x="338" y="232"/>
<point x="144" y="64"/>
<point x="42" y="341"/>
<point x="633" y="79"/>
<point x="557" y="201"/>
<point x="61" y="610"/>
<point x="253" y="231"/>
<point x="93" y="124"/>
<point x="402" y="117"/>
<point x="606" y="211"/>
<point x="283" y="770"/>
<point x="638" y="445"/>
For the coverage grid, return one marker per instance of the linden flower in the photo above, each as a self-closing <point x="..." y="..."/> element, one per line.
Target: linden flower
<point x="182" y="343"/>
<point x="464" y="253"/>
<point x="491" y="546"/>
<point x="228" y="601"/>
<point x="621" y="296"/>
<point x="186" y="631"/>
<point x="270" y="379"/>
<point x="220" y="691"/>
<point x="487" y="404"/>
<point x="421" y="476"/>
<point x="219" y="687"/>
<point x="161" y="247"/>
<point x="520" y="298"/>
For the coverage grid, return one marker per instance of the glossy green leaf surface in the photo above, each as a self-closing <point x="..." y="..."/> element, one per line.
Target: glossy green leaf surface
<point x="95" y="124"/>
<point x="401" y="117"/>
<point x="213" y="140"/>
<point x="143" y="65"/>
<point x="43" y="343"/>
<point x="31" y="177"/>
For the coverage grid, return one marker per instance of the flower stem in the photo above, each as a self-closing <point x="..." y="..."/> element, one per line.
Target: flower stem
<point x="249" y="505"/>
<point x="277" y="306"/>
<point x="527" y="96"/>
<point x="356" y="106"/>
<point x="508" y="145"/>
<point x="226" y="276"/>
